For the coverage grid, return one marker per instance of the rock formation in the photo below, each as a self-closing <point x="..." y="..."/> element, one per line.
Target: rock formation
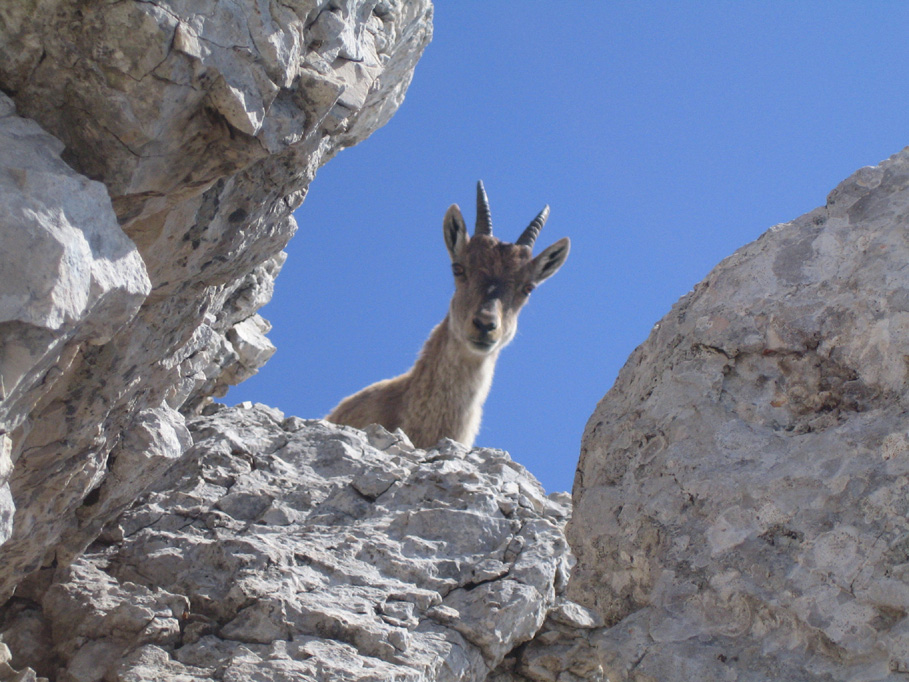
<point x="740" y="506"/>
<point x="278" y="548"/>
<point x="141" y="241"/>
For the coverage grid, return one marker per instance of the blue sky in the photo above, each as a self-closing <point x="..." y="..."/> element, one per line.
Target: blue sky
<point x="664" y="135"/>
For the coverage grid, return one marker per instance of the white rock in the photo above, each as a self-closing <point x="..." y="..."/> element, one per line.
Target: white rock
<point x="390" y="587"/>
<point x="739" y="507"/>
<point x="251" y="345"/>
<point x="7" y="506"/>
<point x="200" y="125"/>
<point x="69" y="274"/>
<point x="273" y="548"/>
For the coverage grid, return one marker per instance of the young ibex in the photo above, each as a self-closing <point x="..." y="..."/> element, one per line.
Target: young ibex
<point x="442" y="395"/>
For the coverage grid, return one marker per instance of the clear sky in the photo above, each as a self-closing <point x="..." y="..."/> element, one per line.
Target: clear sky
<point x="664" y="135"/>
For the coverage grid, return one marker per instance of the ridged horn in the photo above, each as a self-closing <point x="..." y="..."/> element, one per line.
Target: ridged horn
<point x="529" y="236"/>
<point x="484" y="219"/>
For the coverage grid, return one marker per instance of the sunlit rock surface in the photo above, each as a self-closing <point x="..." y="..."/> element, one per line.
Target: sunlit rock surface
<point x="193" y="129"/>
<point x="740" y="502"/>
<point x="152" y="155"/>
<point x="69" y="278"/>
<point x="279" y="548"/>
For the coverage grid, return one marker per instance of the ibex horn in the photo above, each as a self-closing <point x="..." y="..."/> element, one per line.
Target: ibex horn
<point x="529" y="236"/>
<point x="484" y="220"/>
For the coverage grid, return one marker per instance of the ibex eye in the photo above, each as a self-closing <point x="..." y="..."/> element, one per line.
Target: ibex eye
<point x="528" y="288"/>
<point x="457" y="269"/>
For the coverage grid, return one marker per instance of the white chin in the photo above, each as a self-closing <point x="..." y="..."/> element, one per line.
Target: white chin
<point x="482" y="348"/>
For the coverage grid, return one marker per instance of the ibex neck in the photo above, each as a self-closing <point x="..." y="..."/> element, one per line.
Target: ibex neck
<point x="452" y="382"/>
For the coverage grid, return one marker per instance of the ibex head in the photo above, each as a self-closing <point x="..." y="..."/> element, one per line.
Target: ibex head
<point x="492" y="278"/>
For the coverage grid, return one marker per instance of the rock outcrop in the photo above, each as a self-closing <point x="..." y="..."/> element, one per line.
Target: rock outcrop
<point x="150" y="168"/>
<point x="740" y="503"/>
<point x="279" y="548"/>
<point x="70" y="277"/>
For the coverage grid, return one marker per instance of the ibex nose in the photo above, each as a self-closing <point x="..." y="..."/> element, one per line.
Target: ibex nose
<point x="485" y="324"/>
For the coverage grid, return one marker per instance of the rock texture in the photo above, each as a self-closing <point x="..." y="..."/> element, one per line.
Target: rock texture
<point x="131" y="270"/>
<point x="70" y="277"/>
<point x="740" y="503"/>
<point x="280" y="549"/>
<point x="9" y="674"/>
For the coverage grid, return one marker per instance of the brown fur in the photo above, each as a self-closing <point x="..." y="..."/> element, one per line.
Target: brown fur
<point x="442" y="395"/>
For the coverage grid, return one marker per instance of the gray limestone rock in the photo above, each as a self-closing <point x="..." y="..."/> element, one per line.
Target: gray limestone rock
<point x="10" y="674"/>
<point x="70" y="279"/>
<point x="563" y="650"/>
<point x="289" y="549"/>
<point x="191" y="131"/>
<point x="740" y="508"/>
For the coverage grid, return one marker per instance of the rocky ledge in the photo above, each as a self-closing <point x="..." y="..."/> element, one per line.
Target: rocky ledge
<point x="280" y="548"/>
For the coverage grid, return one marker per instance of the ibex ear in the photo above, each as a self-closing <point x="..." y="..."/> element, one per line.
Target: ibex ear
<point x="550" y="260"/>
<point x="455" y="232"/>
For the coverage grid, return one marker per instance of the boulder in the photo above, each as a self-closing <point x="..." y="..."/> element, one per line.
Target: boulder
<point x="71" y="279"/>
<point x="740" y="509"/>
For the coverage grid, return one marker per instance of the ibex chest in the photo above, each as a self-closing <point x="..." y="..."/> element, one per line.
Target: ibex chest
<point x="447" y="396"/>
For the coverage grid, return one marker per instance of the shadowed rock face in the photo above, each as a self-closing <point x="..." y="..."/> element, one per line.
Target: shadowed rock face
<point x="740" y="508"/>
<point x="130" y="278"/>
<point x="289" y="549"/>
